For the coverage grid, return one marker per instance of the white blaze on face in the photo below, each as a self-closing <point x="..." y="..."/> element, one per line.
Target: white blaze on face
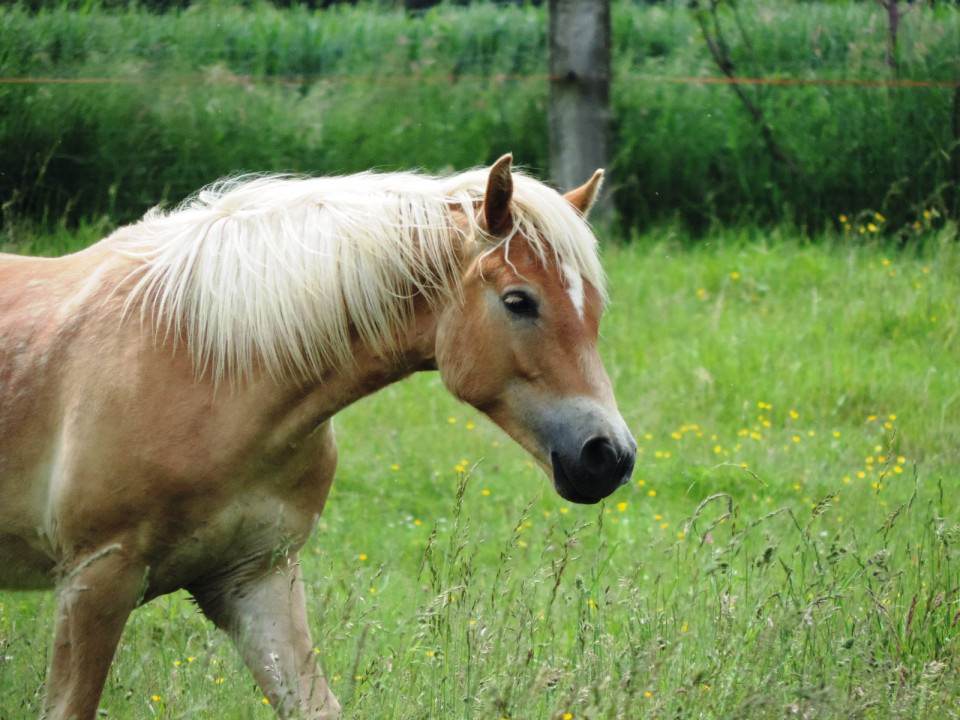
<point x="574" y="287"/>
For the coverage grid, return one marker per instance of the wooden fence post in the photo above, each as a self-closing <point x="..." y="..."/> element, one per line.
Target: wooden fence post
<point x="579" y="112"/>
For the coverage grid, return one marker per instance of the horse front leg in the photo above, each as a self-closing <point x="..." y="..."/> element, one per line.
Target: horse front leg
<point x="267" y="619"/>
<point x="95" y="598"/>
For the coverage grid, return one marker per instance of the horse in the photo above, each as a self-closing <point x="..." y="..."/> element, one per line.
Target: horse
<point x="167" y="394"/>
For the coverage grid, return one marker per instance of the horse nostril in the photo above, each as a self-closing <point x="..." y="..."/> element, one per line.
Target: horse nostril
<point x="598" y="457"/>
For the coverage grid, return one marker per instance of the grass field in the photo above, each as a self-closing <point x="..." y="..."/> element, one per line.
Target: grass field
<point x="787" y="548"/>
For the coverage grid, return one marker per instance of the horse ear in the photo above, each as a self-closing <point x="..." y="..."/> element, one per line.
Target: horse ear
<point x="496" y="201"/>
<point x="583" y="197"/>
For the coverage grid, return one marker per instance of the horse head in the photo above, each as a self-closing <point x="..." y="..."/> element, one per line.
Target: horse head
<point x="520" y="345"/>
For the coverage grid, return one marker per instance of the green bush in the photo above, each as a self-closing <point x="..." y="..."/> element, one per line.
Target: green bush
<point x="220" y="88"/>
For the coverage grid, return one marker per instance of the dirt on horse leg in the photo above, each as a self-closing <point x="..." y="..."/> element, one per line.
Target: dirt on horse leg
<point x="267" y="619"/>
<point x="95" y="598"/>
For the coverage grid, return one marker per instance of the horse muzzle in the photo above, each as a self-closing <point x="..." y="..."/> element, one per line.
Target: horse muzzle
<point x="584" y="444"/>
<point x="600" y="467"/>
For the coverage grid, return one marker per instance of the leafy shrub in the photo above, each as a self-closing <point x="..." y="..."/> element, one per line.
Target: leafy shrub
<point x="221" y="88"/>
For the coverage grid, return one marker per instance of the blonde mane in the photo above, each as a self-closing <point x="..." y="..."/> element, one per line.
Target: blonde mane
<point x="276" y="272"/>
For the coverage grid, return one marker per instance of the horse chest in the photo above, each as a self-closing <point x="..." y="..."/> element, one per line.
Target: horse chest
<point x="263" y="515"/>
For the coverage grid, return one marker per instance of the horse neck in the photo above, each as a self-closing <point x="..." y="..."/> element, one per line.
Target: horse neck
<point x="293" y="402"/>
<point x="306" y="406"/>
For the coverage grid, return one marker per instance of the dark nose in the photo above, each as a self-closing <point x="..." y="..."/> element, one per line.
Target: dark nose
<point x="604" y="464"/>
<point x="598" y="457"/>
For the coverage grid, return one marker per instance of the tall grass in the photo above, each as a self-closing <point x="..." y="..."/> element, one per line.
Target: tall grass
<point x="353" y="88"/>
<point x="447" y="579"/>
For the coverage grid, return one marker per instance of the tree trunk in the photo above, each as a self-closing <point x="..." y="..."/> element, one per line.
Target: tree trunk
<point x="579" y="90"/>
<point x="893" y="26"/>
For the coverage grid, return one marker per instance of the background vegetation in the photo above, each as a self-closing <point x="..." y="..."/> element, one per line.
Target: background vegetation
<point x="222" y="87"/>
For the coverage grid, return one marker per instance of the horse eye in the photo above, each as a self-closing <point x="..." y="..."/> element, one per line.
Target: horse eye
<point x="520" y="303"/>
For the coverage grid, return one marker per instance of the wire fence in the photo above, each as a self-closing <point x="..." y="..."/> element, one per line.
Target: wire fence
<point x="299" y="80"/>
